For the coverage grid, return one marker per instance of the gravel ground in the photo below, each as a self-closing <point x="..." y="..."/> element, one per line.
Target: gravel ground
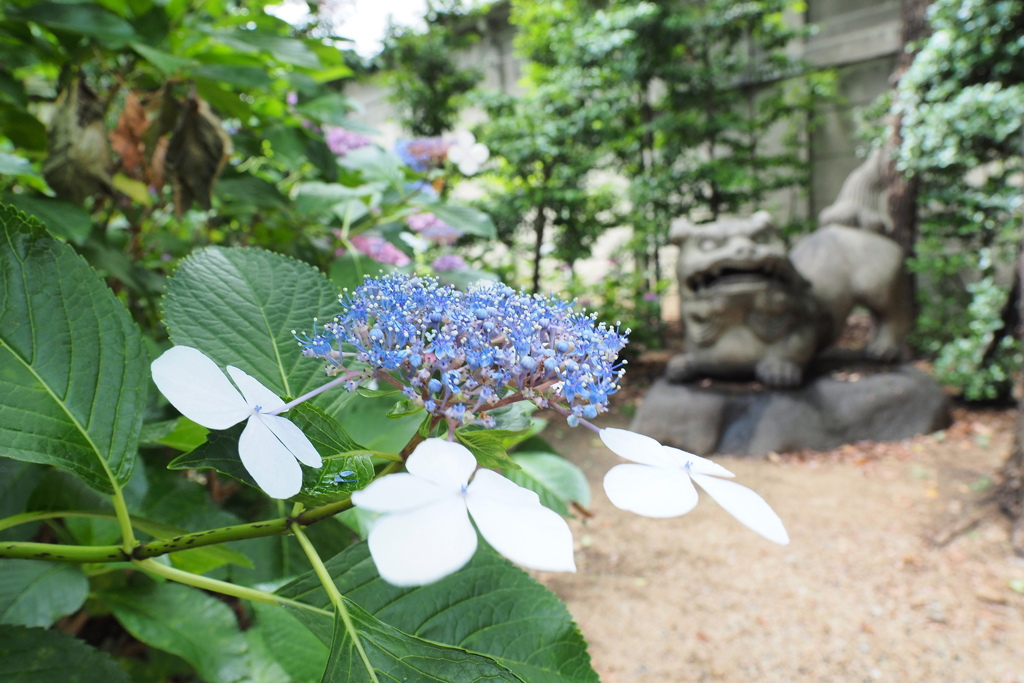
<point x="863" y="593"/>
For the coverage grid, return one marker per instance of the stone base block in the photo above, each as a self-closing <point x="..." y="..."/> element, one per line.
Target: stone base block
<point x="830" y="410"/>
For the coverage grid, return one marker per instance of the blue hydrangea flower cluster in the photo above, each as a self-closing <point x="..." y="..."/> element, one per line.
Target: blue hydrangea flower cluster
<point x="459" y="354"/>
<point x="422" y="154"/>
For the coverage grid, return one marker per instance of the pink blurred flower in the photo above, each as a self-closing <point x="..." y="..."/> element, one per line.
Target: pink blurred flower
<point x="433" y="228"/>
<point x="650" y="296"/>
<point x="448" y="262"/>
<point x="343" y="141"/>
<point x="377" y="248"/>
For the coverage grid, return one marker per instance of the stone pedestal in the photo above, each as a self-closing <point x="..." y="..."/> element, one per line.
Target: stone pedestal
<point x="834" y="407"/>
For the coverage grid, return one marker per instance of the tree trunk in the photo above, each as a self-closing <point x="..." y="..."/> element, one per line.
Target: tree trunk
<point x="539" y="223"/>
<point x="902" y="190"/>
<point x="1010" y="493"/>
<point x="903" y="207"/>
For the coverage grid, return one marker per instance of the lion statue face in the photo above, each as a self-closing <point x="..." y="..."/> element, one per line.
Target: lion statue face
<point x="731" y="257"/>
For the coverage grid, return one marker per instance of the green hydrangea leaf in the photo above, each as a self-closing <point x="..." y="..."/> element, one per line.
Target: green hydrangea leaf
<point x="36" y="655"/>
<point x="384" y="653"/>
<point x="195" y="626"/>
<point x="37" y="593"/>
<point x="557" y="481"/>
<point x="239" y="306"/>
<point x="73" y="368"/>
<point x="489" y="607"/>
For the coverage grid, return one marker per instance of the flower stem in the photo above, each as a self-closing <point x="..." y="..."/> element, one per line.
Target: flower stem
<point x="124" y="520"/>
<point x="518" y="396"/>
<point x="380" y="374"/>
<point x="335" y="596"/>
<point x="319" y="390"/>
<point x="28" y="517"/>
<point x="566" y="413"/>
<point x="222" y="587"/>
<point x="163" y="546"/>
<point x="415" y="441"/>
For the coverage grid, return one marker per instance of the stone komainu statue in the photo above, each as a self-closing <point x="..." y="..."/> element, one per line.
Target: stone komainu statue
<point x="750" y="309"/>
<point x="863" y="198"/>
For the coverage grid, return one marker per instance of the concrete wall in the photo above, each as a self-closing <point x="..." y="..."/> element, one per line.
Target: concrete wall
<point x="833" y="146"/>
<point x="860" y="40"/>
<point x="491" y="55"/>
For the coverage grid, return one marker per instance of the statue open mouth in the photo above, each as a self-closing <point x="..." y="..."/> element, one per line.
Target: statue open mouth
<point x="774" y="272"/>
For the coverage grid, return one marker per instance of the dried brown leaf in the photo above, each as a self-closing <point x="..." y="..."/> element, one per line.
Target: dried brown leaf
<point x="163" y="111"/>
<point x="126" y="139"/>
<point x="155" y="170"/>
<point x="198" y="148"/>
<point x="78" y="162"/>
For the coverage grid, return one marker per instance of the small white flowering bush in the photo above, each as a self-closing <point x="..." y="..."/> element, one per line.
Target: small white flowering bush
<point x="959" y="110"/>
<point x="374" y="448"/>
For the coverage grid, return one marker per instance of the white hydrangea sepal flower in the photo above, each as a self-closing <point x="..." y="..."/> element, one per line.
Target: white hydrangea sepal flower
<point x="424" y="532"/>
<point x="661" y="484"/>
<point x="270" y="447"/>
<point x="468" y="154"/>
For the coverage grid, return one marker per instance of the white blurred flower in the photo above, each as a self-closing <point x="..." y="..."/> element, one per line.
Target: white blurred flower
<point x="468" y="154"/>
<point x="661" y="485"/>
<point x="269" y="445"/>
<point x="485" y="283"/>
<point x="424" y="532"/>
<point x="415" y="242"/>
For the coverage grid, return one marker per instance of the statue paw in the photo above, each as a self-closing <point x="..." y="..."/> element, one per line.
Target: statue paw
<point x="778" y="372"/>
<point x="680" y="369"/>
<point x="882" y="350"/>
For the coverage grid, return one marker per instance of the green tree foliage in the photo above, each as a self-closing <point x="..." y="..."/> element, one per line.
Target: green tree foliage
<point x="169" y="126"/>
<point x="154" y="109"/>
<point x="680" y="98"/>
<point x="690" y="91"/>
<point x="961" y="103"/>
<point x="427" y="83"/>
<point x="543" y="147"/>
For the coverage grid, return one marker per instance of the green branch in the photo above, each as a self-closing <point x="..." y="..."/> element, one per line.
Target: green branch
<point x="113" y="553"/>
<point x="238" y="532"/>
<point x="56" y="552"/>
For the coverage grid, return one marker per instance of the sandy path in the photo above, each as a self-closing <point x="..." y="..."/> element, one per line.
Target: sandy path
<point x="861" y="594"/>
